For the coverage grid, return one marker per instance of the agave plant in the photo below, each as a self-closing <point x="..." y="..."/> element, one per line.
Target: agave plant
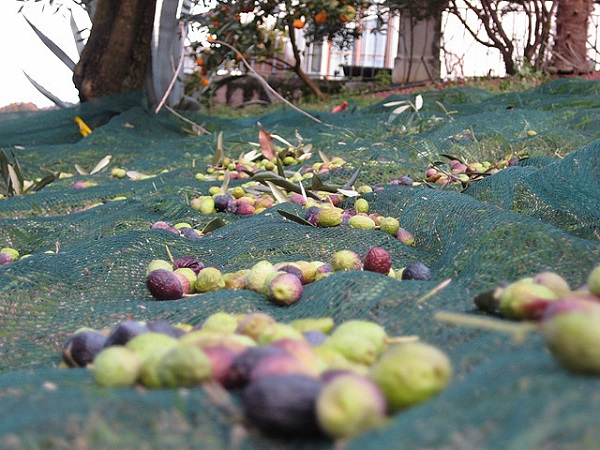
<point x="13" y="181"/>
<point x="59" y="53"/>
<point x="166" y="46"/>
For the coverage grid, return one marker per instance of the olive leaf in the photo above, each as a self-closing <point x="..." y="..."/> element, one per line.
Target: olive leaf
<point x="220" y="153"/>
<point x="266" y="142"/>
<point x="213" y="225"/>
<point x="14" y="182"/>
<point x="264" y="176"/>
<point x="277" y="192"/>
<point x="97" y="168"/>
<point x="324" y="157"/>
<point x="101" y="164"/>
<point x="226" y="178"/>
<point x="295" y="218"/>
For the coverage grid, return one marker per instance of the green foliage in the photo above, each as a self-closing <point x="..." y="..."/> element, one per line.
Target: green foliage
<point x="383" y="79"/>
<point x="260" y="29"/>
<point x="525" y="78"/>
<point x="14" y="183"/>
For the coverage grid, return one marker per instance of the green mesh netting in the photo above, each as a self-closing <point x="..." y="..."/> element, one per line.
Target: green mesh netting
<point x="87" y="265"/>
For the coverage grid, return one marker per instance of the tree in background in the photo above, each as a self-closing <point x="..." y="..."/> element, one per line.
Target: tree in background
<point x="491" y="29"/>
<point x="260" y="30"/>
<point x="569" y="54"/>
<point x="116" y="56"/>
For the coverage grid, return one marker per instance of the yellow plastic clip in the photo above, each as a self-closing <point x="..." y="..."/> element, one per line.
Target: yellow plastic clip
<point x="83" y="128"/>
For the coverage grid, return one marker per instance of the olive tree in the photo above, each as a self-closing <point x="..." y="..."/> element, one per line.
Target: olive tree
<point x="262" y="30"/>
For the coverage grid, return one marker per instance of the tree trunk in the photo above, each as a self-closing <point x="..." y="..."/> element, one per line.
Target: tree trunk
<point x="117" y="53"/>
<point x="297" y="60"/>
<point x="570" y="43"/>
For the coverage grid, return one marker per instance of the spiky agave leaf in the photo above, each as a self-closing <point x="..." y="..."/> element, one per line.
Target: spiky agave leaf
<point x="46" y="93"/>
<point x="58" y="52"/>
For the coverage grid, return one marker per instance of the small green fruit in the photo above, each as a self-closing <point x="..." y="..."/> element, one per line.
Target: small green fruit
<point x="118" y="172"/>
<point x="268" y="279"/>
<point x="222" y="322"/>
<point x="331" y="359"/>
<point x="277" y="331"/>
<point x="150" y="370"/>
<point x="349" y="405"/>
<point x="184" y="366"/>
<point x="146" y="343"/>
<point x="366" y="330"/>
<point x="361" y="222"/>
<point x="573" y="337"/>
<point x="593" y="281"/>
<point x="554" y="282"/>
<point x="361" y="205"/>
<point x="346" y="260"/>
<point x="353" y="347"/>
<point x="256" y="276"/>
<point x="308" y="270"/>
<point x="190" y="275"/>
<point x="14" y="254"/>
<point x="180" y="225"/>
<point x="209" y="279"/>
<point x="516" y="298"/>
<point x="323" y="271"/>
<point x="411" y="373"/>
<point x="205" y="205"/>
<point x="234" y="280"/>
<point x="323" y="324"/>
<point x="329" y="217"/>
<point x="116" y="366"/>
<point x="203" y="338"/>
<point x="390" y="225"/>
<point x="159" y="264"/>
<point x="253" y="324"/>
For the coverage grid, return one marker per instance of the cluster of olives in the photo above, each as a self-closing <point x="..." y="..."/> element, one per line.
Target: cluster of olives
<point x="330" y="215"/>
<point x="282" y="282"/>
<point x="235" y="201"/>
<point x="306" y="377"/>
<point x="180" y="228"/>
<point x="569" y="318"/>
<point x="8" y="255"/>
<point x="459" y="172"/>
<point x="253" y="162"/>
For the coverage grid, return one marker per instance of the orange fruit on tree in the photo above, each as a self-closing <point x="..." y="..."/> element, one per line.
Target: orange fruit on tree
<point x="298" y="24"/>
<point x="348" y="13"/>
<point x="204" y="81"/>
<point x="321" y="17"/>
<point x="200" y="61"/>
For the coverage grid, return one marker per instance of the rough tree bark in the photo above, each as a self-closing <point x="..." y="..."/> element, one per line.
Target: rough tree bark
<point x="117" y="54"/>
<point x="569" y="54"/>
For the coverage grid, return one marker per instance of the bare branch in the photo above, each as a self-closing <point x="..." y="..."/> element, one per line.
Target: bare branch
<point x="266" y="85"/>
<point x="176" y="74"/>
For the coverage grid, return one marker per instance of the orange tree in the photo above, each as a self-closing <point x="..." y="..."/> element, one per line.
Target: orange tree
<point x="262" y="30"/>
